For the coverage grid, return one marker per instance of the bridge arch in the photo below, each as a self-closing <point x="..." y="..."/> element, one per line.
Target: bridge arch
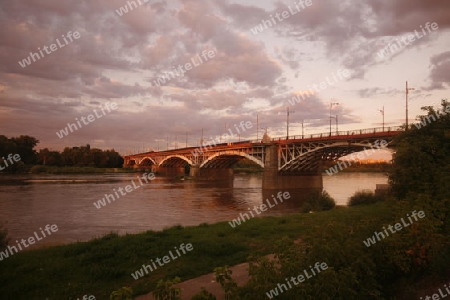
<point x="308" y="158"/>
<point x="147" y="162"/>
<point x="131" y="162"/>
<point x="232" y="157"/>
<point x="175" y="161"/>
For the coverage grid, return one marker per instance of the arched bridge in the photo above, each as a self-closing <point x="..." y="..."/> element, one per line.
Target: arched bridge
<point x="282" y="159"/>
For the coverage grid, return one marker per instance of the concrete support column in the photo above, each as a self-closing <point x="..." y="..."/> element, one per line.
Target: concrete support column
<point x="170" y="172"/>
<point x="211" y="174"/>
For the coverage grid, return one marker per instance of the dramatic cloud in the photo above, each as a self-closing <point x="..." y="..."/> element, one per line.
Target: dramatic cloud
<point x="120" y="56"/>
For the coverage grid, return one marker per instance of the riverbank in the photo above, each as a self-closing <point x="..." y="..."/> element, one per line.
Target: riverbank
<point x="39" y="169"/>
<point x="102" y="265"/>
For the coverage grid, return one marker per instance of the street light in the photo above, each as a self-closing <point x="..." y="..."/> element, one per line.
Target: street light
<point x="303" y="134"/>
<point x="287" y="121"/>
<point x="336" y="118"/>
<point x="331" y="105"/>
<point x="382" y="112"/>
<point x="257" y="127"/>
<point x="407" y="92"/>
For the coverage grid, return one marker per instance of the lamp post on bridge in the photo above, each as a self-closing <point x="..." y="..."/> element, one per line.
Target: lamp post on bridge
<point x="407" y="92"/>
<point x="382" y="113"/>
<point x="336" y="118"/>
<point x="287" y="121"/>
<point x="331" y="106"/>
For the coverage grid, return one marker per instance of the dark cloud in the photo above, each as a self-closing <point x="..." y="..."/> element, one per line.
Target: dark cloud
<point x="117" y="58"/>
<point x="440" y="71"/>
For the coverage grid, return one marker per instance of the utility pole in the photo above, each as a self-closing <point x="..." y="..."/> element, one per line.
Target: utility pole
<point x="257" y="127"/>
<point x="337" y="130"/>
<point x="303" y="135"/>
<point x="287" y="121"/>
<point x="407" y="92"/>
<point x="382" y="113"/>
<point x="186" y="138"/>
<point x="331" y="105"/>
<point x="201" y="140"/>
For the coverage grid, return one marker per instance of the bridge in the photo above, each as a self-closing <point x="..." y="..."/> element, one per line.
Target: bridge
<point x="287" y="163"/>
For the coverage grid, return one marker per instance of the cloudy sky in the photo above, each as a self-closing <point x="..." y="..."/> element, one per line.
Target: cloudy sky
<point x="118" y="58"/>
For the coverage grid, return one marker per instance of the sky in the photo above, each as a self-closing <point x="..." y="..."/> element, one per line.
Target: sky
<point x="114" y="56"/>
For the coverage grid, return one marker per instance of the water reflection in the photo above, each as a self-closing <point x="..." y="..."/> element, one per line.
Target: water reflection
<point x="28" y="202"/>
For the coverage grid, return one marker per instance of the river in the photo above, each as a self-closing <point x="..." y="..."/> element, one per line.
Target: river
<point x="29" y="202"/>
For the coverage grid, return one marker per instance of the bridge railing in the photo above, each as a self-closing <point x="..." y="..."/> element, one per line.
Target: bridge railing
<point x="341" y="133"/>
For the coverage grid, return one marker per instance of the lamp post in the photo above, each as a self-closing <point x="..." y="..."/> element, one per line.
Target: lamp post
<point x="287" y="121"/>
<point x="337" y="129"/>
<point x="331" y="106"/>
<point x="303" y="134"/>
<point x="407" y="92"/>
<point x="382" y="113"/>
<point x="336" y="118"/>
<point x="257" y="127"/>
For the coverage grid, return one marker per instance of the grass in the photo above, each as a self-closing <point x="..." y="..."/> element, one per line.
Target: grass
<point x="102" y="265"/>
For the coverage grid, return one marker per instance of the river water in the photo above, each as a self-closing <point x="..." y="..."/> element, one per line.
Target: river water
<point x="29" y="202"/>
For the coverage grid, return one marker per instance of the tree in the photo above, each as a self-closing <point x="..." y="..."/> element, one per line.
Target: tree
<point x="49" y="158"/>
<point x="25" y="148"/>
<point x="421" y="163"/>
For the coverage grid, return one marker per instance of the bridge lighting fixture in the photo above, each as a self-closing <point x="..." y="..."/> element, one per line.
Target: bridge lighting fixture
<point x="331" y="106"/>
<point x="407" y="92"/>
<point x="288" y="112"/>
<point x="382" y="113"/>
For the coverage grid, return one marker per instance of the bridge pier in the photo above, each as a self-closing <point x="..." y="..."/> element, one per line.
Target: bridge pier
<point x="171" y="172"/>
<point x="225" y="174"/>
<point x="274" y="180"/>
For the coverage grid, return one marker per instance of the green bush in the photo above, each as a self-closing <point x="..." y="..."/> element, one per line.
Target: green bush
<point x="363" y="197"/>
<point x="3" y="238"/>
<point x="125" y="293"/>
<point x="204" y="295"/>
<point x="165" y="290"/>
<point x="318" y="201"/>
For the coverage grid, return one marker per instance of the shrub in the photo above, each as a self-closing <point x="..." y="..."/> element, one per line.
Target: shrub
<point x="203" y="295"/>
<point x="3" y="238"/>
<point x="125" y="293"/>
<point x="319" y="201"/>
<point x="363" y="197"/>
<point x="165" y="290"/>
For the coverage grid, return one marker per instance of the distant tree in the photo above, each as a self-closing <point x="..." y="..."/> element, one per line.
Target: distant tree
<point x="49" y="158"/>
<point x="25" y="148"/>
<point x="421" y="163"/>
<point x="85" y="156"/>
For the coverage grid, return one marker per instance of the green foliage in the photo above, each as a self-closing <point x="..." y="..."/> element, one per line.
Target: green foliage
<point x="165" y="290"/>
<point x="85" y="156"/>
<point x="335" y="237"/>
<point x="363" y="197"/>
<point x="23" y="146"/>
<point x="223" y="277"/>
<point x="204" y="295"/>
<point x="421" y="163"/>
<point x="3" y="238"/>
<point x="318" y="201"/>
<point x="125" y="293"/>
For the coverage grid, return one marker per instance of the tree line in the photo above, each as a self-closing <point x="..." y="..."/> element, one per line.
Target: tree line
<point x="83" y="156"/>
